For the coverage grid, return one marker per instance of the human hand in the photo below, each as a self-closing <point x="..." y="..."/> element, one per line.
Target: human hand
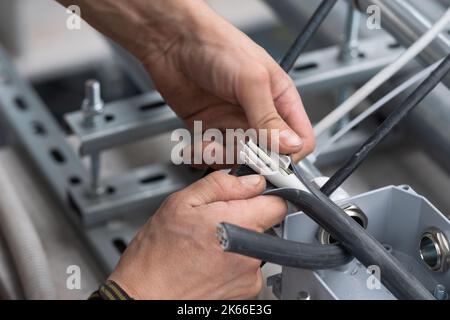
<point x="217" y="75"/>
<point x="205" y="68"/>
<point x="176" y="255"/>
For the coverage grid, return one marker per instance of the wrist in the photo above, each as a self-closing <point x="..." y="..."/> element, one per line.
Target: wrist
<point x="144" y="27"/>
<point x="168" y="24"/>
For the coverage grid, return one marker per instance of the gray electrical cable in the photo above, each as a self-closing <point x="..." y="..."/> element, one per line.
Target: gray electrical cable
<point x="375" y="107"/>
<point x="29" y="256"/>
<point x="282" y="252"/>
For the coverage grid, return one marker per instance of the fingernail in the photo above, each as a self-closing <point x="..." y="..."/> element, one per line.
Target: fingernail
<point x="290" y="139"/>
<point x="252" y="180"/>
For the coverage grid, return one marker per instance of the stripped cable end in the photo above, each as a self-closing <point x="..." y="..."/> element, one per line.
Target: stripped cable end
<point x="222" y="235"/>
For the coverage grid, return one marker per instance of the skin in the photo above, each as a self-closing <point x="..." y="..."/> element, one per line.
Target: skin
<point x="177" y="255"/>
<point x="206" y="70"/>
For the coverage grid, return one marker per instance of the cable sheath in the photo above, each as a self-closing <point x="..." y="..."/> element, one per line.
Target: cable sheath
<point x="282" y="252"/>
<point x="306" y="35"/>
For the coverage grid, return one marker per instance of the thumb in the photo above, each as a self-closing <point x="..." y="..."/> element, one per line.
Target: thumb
<point x="219" y="186"/>
<point x="255" y="96"/>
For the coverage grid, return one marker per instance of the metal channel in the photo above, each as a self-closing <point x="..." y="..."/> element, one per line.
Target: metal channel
<point x="124" y="121"/>
<point x="37" y="132"/>
<point x="139" y="191"/>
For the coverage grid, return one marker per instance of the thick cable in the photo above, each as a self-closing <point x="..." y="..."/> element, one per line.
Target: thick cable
<point x="385" y="128"/>
<point x="360" y="95"/>
<point x="282" y="252"/>
<point x="401" y="283"/>
<point x="306" y="35"/>
<point x="27" y="251"/>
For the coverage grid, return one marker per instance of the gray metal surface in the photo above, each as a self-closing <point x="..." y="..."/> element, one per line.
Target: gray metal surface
<point x="322" y="70"/>
<point x="124" y="122"/>
<point x="430" y="124"/>
<point x="397" y="217"/>
<point x="407" y="22"/>
<point x="138" y="191"/>
<point x="37" y="132"/>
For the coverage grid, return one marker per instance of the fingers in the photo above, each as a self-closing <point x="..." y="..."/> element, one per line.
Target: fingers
<point x="254" y="93"/>
<point x="219" y="186"/>
<point x="290" y="107"/>
<point x="258" y="213"/>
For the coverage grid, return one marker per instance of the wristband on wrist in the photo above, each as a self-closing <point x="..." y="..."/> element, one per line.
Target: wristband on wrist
<point x="110" y="290"/>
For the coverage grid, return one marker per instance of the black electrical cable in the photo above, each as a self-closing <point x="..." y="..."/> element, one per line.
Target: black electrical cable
<point x="347" y="231"/>
<point x="306" y="35"/>
<point x="293" y="53"/>
<point x="385" y="128"/>
<point x="282" y="252"/>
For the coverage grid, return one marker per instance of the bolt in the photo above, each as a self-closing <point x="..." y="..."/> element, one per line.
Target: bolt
<point x="440" y="293"/>
<point x="96" y="188"/>
<point x="92" y="107"/>
<point x="350" y="47"/>
<point x="349" y="51"/>
<point x="93" y="104"/>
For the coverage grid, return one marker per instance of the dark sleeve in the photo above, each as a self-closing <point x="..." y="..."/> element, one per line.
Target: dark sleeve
<point x="110" y="291"/>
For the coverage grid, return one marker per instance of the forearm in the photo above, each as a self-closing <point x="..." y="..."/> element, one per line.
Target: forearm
<point x="144" y="27"/>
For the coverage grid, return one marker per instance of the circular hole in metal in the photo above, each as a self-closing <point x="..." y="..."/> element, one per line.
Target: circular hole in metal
<point x="332" y="240"/>
<point x="110" y="190"/>
<point x="430" y="251"/>
<point x="38" y="128"/>
<point x="74" y="180"/>
<point x="355" y="213"/>
<point x="21" y="104"/>
<point x="109" y="117"/>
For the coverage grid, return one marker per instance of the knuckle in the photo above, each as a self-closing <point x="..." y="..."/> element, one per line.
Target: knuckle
<point x="220" y="182"/>
<point x="216" y="179"/>
<point x="268" y="120"/>
<point x="258" y="74"/>
<point x="173" y="199"/>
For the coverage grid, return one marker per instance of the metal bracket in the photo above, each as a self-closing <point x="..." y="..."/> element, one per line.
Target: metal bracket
<point x="140" y="191"/>
<point x="124" y="122"/>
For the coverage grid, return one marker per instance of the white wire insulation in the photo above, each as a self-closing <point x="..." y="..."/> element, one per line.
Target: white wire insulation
<point x="375" y="107"/>
<point x="359" y="96"/>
